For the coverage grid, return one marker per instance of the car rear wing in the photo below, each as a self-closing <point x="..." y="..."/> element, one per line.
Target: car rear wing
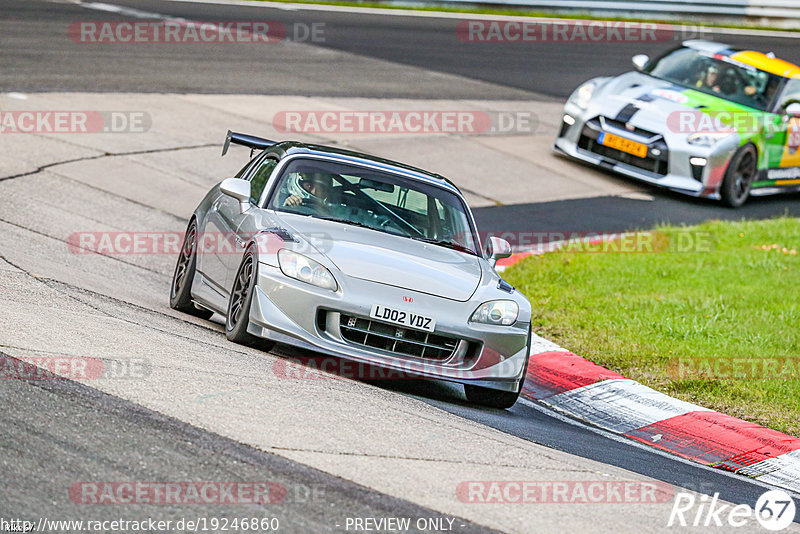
<point x="247" y="140"/>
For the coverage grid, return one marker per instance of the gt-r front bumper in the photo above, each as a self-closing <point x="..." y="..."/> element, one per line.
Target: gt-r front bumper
<point x="671" y="162"/>
<point x="292" y="312"/>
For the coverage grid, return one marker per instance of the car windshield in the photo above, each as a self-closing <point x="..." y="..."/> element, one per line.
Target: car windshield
<point x="376" y="200"/>
<point x="716" y="75"/>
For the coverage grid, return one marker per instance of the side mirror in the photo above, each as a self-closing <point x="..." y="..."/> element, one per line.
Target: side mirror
<point x="640" y="60"/>
<point x="793" y="109"/>
<point x="496" y="249"/>
<point x="238" y="189"/>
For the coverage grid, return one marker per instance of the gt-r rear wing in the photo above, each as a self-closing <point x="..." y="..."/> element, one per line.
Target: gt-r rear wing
<point x="247" y="140"/>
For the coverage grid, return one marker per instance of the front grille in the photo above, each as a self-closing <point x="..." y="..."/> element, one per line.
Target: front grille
<point x="622" y="126"/>
<point x="656" y="164"/>
<point x="396" y="339"/>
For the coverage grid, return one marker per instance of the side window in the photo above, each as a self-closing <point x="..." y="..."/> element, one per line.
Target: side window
<point x="259" y="178"/>
<point x="243" y="169"/>
<point x="790" y="95"/>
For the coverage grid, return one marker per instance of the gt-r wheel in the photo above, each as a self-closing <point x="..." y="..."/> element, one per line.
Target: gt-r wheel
<point x="180" y="297"/>
<point x="238" y="316"/>
<point x="739" y="176"/>
<point x="491" y="397"/>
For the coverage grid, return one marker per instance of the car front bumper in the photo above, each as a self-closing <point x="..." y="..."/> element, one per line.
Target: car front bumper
<point x="678" y="173"/>
<point x="295" y="313"/>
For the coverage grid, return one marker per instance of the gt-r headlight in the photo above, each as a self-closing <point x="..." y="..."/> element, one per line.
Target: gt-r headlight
<point x="583" y="95"/>
<point x="500" y="312"/>
<point x="305" y="269"/>
<point x="706" y="138"/>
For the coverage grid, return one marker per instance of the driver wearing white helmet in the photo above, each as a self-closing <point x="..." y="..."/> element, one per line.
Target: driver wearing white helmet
<point x="314" y="186"/>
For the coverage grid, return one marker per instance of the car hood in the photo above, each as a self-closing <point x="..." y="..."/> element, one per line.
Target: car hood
<point x="652" y="104"/>
<point x="391" y="260"/>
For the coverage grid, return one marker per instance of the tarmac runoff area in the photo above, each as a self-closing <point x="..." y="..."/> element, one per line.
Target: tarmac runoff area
<point x="497" y="152"/>
<point x="113" y="308"/>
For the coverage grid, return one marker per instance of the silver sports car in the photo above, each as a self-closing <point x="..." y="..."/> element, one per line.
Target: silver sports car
<point x="357" y="257"/>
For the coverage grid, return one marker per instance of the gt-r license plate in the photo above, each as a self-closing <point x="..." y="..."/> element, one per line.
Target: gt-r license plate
<point x="625" y="145"/>
<point x="402" y="318"/>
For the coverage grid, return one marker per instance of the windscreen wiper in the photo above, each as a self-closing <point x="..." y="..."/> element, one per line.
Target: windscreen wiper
<point x="345" y="221"/>
<point x="448" y="244"/>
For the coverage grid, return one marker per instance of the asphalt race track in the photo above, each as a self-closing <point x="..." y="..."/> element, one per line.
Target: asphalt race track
<point x="552" y="69"/>
<point x="203" y="409"/>
<point x="427" y="45"/>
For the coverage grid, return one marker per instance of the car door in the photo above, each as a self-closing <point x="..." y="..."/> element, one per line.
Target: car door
<point x="783" y="165"/>
<point x="217" y="240"/>
<point x="245" y="225"/>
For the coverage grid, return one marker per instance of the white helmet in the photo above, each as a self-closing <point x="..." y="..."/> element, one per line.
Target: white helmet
<point x="294" y="187"/>
<point x="304" y="181"/>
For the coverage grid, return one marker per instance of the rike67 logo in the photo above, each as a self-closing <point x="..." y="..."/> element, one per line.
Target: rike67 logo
<point x="775" y="510"/>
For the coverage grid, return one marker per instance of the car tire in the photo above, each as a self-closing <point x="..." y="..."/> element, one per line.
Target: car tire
<point x="237" y="317"/>
<point x="739" y="176"/>
<point x="180" y="295"/>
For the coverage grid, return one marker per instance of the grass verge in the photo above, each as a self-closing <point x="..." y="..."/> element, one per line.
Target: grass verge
<point x="711" y="317"/>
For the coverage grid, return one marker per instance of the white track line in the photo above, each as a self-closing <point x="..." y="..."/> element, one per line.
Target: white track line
<point x="139" y="14"/>
<point x="122" y="10"/>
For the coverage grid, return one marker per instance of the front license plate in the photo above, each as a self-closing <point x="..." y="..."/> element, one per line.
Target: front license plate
<point x="625" y="145"/>
<point x="402" y="318"/>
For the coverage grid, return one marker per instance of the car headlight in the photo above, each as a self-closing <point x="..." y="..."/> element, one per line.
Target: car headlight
<point x="582" y="96"/>
<point x="305" y="269"/>
<point x="503" y="312"/>
<point x="706" y="138"/>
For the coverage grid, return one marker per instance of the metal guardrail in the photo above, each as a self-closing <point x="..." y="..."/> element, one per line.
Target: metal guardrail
<point x="786" y="11"/>
<point x="774" y="8"/>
